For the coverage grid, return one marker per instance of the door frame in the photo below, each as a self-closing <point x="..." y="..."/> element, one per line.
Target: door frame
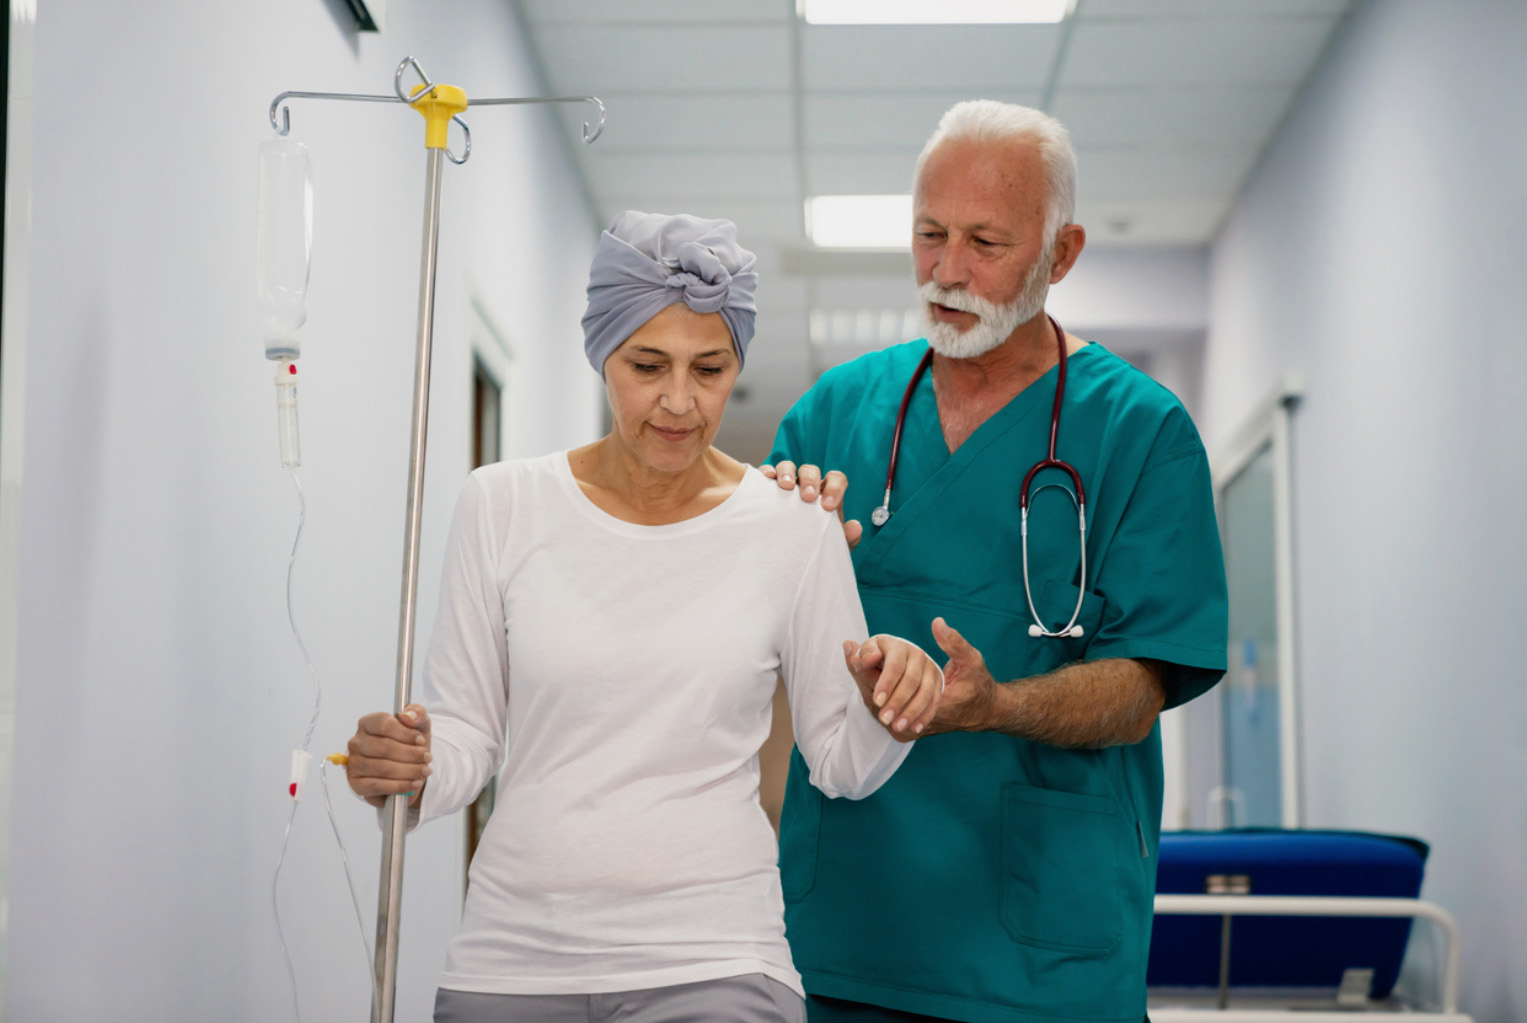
<point x="1268" y="427"/>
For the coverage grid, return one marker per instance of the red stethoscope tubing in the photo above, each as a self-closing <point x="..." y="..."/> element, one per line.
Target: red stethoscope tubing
<point x="1049" y="462"/>
<point x="882" y="514"/>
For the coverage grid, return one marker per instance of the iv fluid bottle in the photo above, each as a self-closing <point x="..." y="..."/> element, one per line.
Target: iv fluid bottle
<point x="283" y="243"/>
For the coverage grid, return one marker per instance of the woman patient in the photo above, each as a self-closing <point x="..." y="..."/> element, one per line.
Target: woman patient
<point x="610" y="625"/>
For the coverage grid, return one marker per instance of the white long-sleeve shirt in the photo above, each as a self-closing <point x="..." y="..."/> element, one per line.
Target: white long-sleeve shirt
<point x="623" y="676"/>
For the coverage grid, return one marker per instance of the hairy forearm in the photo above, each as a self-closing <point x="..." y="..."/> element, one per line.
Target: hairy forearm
<point x="1082" y="706"/>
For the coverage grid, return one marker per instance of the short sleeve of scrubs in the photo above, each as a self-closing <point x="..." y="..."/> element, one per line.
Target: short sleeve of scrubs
<point x="791" y="441"/>
<point x="1163" y="579"/>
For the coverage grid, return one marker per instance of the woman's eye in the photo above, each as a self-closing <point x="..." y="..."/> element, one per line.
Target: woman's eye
<point x="644" y="367"/>
<point x="708" y="371"/>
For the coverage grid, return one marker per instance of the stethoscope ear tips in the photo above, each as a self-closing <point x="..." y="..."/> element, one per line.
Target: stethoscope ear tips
<point x="1036" y="631"/>
<point x="1076" y="632"/>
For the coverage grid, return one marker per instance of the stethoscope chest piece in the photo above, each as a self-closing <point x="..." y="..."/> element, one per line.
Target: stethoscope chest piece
<point x="880" y="516"/>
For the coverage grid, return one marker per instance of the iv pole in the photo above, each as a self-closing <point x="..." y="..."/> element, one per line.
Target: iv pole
<point x="440" y="105"/>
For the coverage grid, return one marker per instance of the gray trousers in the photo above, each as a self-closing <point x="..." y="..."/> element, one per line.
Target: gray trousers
<point x="753" y="998"/>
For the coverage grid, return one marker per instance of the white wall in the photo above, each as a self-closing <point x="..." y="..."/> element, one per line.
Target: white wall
<point x="159" y="690"/>
<point x="1381" y="248"/>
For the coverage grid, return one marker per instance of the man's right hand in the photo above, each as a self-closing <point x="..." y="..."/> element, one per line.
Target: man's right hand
<point x="812" y="484"/>
<point x="390" y="755"/>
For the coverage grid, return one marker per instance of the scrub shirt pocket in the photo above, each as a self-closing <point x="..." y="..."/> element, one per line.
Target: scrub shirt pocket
<point x="1063" y="855"/>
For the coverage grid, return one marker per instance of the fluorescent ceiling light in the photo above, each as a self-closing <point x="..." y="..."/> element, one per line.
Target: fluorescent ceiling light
<point x="935" y="12"/>
<point x="860" y="221"/>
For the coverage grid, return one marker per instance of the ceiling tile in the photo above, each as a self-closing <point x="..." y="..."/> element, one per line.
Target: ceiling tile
<point x="1152" y="221"/>
<point x="840" y="120"/>
<point x="770" y="175"/>
<point x="861" y="173"/>
<point x="688" y="121"/>
<point x="1174" y="173"/>
<point x="919" y="58"/>
<point x="1093" y="10"/>
<point x="640" y="12"/>
<point x="1170" y="116"/>
<point x="703" y="60"/>
<point x="1193" y="52"/>
<point x="758" y="221"/>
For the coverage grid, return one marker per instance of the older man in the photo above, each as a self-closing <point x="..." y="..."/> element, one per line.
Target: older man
<point x="1006" y="873"/>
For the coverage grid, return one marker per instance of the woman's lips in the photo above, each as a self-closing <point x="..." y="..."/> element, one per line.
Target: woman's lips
<point x="671" y="434"/>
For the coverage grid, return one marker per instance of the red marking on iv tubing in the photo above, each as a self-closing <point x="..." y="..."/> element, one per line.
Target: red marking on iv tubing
<point x="294" y="790"/>
<point x="291" y="368"/>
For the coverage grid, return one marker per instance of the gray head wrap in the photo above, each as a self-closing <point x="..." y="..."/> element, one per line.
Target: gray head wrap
<point x="646" y="262"/>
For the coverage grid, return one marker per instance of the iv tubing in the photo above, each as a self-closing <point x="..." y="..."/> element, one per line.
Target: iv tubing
<point x="291" y="620"/>
<point x="323" y="777"/>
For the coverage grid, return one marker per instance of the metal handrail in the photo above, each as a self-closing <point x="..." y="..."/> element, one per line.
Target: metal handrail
<point x="1328" y="905"/>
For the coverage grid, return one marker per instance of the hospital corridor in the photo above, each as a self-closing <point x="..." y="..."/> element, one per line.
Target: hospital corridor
<point x="763" y="511"/>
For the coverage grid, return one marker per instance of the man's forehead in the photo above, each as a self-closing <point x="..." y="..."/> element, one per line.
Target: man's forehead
<point x="979" y="184"/>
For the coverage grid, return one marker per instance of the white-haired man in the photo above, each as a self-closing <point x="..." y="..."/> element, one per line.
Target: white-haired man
<point x="1006" y="873"/>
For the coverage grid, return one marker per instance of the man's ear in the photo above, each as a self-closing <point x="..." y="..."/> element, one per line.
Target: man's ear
<point x="1069" y="241"/>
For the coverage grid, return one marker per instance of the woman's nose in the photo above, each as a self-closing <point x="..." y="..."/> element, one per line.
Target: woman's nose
<point x="677" y="399"/>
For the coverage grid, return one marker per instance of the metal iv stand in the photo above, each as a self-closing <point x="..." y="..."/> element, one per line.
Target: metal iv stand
<point x="440" y="105"/>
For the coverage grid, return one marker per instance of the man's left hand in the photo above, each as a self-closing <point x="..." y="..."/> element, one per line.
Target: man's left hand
<point x="970" y="691"/>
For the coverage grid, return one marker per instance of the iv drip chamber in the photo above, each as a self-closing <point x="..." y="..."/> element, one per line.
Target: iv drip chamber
<point x="283" y="243"/>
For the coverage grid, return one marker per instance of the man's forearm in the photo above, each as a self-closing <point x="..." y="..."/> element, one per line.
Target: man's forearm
<point x="1082" y="706"/>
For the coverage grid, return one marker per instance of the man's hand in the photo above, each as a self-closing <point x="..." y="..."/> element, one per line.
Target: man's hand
<point x="811" y="482"/>
<point x="389" y="755"/>
<point x="1088" y="705"/>
<point x="899" y="683"/>
<point x="969" y="689"/>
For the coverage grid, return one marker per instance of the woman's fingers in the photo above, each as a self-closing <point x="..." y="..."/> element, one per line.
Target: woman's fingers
<point x="380" y="747"/>
<point x="390" y="754"/>
<point x="810" y="479"/>
<point x="907" y="692"/>
<point x="921" y="708"/>
<point x="834" y="486"/>
<point x="899" y="681"/>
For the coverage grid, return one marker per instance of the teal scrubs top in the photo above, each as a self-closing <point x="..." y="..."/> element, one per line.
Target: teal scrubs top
<point x="993" y="878"/>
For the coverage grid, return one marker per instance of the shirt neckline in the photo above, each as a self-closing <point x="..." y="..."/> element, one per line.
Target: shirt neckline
<point x="563" y="470"/>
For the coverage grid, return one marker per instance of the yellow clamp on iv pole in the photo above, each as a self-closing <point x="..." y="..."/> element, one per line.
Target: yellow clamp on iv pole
<point x="439" y="105"/>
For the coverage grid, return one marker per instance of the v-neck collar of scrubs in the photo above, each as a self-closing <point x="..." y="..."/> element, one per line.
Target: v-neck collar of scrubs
<point x="923" y="477"/>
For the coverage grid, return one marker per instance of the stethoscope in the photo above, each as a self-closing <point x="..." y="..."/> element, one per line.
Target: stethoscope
<point x="881" y="515"/>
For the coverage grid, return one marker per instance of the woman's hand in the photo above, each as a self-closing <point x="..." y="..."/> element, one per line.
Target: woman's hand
<point x="390" y="755"/>
<point x="901" y="685"/>
<point x="831" y="488"/>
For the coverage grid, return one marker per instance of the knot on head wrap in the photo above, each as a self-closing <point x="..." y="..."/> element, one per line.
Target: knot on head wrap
<point x="646" y="262"/>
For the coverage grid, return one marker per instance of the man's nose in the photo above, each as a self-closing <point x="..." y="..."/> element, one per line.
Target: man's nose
<point x="951" y="269"/>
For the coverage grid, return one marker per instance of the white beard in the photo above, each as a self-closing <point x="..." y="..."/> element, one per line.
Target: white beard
<point x="996" y="322"/>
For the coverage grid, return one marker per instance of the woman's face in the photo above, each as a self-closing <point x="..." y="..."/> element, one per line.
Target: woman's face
<point x="668" y="385"/>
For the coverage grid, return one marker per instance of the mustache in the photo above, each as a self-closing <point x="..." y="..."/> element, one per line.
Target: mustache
<point x="957" y="298"/>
